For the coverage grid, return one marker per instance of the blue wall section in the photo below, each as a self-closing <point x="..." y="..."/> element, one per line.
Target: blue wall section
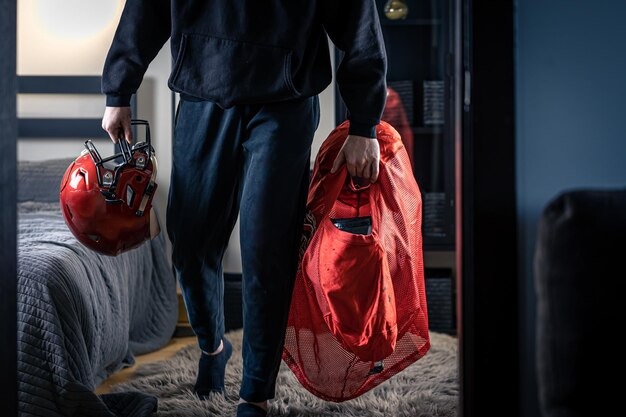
<point x="571" y="121"/>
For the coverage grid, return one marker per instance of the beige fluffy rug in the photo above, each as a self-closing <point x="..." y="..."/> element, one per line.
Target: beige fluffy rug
<point x="429" y="387"/>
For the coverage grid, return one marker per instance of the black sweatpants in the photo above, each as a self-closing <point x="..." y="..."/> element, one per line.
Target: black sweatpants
<point x="252" y="159"/>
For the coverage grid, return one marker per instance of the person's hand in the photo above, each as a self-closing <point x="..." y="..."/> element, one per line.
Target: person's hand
<point x="116" y="122"/>
<point x="361" y="156"/>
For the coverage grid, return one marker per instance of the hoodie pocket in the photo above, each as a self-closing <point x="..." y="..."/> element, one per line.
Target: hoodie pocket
<point x="230" y="72"/>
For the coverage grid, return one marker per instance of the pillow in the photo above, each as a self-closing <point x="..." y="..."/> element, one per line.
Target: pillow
<point x="40" y="181"/>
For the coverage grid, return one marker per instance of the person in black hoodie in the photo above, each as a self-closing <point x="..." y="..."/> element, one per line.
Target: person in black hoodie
<point x="249" y="74"/>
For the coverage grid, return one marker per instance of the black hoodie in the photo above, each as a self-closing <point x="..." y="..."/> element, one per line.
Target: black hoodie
<point x="254" y="51"/>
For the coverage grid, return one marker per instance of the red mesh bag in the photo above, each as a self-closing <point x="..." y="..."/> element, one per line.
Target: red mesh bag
<point x="358" y="312"/>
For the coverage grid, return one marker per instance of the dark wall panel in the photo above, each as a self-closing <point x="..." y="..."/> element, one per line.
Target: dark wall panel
<point x="8" y="257"/>
<point x="570" y="68"/>
<point x="489" y="243"/>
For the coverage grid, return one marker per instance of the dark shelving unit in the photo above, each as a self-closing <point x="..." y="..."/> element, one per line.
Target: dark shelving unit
<point x="420" y="48"/>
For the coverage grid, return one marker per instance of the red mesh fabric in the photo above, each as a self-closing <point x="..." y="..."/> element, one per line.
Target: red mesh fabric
<point x="358" y="299"/>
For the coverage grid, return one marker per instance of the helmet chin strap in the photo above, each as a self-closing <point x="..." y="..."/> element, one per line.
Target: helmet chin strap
<point x="149" y="189"/>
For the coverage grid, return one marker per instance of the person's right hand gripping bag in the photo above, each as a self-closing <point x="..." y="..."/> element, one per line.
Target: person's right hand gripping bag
<point x="358" y="311"/>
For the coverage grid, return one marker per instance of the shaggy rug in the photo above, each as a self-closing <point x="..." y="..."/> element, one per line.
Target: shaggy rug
<point x="427" y="388"/>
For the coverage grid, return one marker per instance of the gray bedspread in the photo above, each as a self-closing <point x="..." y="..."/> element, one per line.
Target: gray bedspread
<point x="83" y="316"/>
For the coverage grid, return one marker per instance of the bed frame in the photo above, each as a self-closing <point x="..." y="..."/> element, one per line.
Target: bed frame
<point x="58" y="128"/>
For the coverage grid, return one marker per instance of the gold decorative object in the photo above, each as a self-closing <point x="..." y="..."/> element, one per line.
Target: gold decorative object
<point x="396" y="9"/>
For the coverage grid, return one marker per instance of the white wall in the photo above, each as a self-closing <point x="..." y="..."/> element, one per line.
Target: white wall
<point x="56" y="41"/>
<point x="64" y="37"/>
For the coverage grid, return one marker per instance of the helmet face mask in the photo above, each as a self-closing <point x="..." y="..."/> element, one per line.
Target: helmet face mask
<point x="108" y="205"/>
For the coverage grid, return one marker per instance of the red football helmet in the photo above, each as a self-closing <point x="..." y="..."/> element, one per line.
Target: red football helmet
<point x="108" y="205"/>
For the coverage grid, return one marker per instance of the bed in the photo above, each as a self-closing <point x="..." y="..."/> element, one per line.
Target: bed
<point x="81" y="315"/>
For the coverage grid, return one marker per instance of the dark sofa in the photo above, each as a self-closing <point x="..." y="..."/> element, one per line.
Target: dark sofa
<point x="579" y="276"/>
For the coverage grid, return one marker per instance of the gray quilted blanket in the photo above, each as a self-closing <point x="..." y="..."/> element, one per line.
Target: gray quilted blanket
<point x="83" y="316"/>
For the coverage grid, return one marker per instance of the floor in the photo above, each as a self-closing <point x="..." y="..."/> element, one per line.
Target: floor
<point x="125" y="374"/>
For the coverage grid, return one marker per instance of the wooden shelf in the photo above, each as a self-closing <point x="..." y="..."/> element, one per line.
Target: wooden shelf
<point x="410" y="22"/>
<point x="427" y="130"/>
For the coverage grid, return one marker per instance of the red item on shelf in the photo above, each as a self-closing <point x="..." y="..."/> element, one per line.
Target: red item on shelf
<point x="395" y="114"/>
<point x="358" y="311"/>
